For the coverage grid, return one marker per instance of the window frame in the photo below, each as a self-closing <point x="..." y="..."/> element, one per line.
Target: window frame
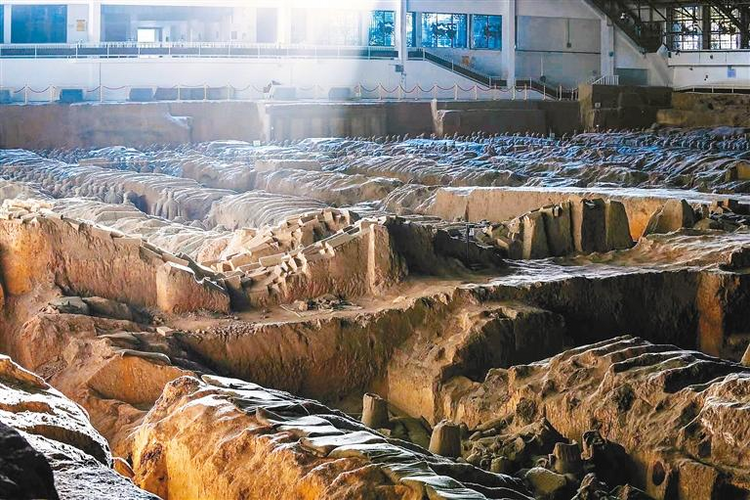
<point x="679" y="20"/>
<point x="717" y="38"/>
<point x="453" y="39"/>
<point x="385" y="36"/>
<point x="472" y="46"/>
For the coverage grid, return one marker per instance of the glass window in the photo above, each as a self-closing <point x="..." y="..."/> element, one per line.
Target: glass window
<point x="444" y="30"/>
<point x="486" y="32"/>
<point x="687" y="33"/>
<point x="39" y="24"/>
<point x="410" y="31"/>
<point x="337" y="27"/>
<point x="148" y="35"/>
<point x="299" y="26"/>
<point x="724" y="34"/>
<point x="383" y="28"/>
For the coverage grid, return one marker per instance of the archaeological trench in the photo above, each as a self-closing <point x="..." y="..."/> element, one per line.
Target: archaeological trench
<point x="388" y="317"/>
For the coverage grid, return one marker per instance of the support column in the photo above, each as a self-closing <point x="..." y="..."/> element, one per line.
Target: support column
<point x="7" y="8"/>
<point x="509" y="42"/>
<point x="95" y="22"/>
<point x="607" y="47"/>
<point x="417" y="29"/>
<point x="706" y="28"/>
<point x="401" y="26"/>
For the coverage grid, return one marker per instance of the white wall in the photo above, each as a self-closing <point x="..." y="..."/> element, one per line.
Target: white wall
<point x="710" y="68"/>
<point x="90" y="73"/>
<point x="78" y="13"/>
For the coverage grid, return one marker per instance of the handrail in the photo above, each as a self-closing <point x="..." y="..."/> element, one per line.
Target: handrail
<point x="546" y="90"/>
<point x="187" y="49"/>
<point x="606" y="80"/>
<point x="716" y="88"/>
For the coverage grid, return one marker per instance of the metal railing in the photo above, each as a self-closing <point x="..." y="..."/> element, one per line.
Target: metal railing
<point x="716" y="88"/>
<point x="557" y="92"/>
<point x="606" y="80"/>
<point x="177" y="49"/>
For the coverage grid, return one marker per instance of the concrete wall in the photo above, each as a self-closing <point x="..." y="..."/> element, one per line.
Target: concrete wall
<point x="78" y="19"/>
<point x="567" y="54"/>
<point x="710" y="68"/>
<point x="248" y="74"/>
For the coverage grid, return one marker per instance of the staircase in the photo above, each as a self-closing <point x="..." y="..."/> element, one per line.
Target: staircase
<point x="422" y="54"/>
<point x="646" y="34"/>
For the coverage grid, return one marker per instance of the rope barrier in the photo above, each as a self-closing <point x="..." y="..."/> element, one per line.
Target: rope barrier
<point x="382" y="92"/>
<point x="240" y="90"/>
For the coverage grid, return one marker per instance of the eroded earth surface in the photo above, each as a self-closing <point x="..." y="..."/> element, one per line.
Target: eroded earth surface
<point x="501" y="317"/>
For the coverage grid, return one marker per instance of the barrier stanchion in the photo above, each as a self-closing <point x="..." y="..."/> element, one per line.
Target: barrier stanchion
<point x="205" y="92"/>
<point x="400" y="93"/>
<point x="179" y="93"/>
<point x="455" y="92"/>
<point x="514" y="92"/>
<point x="435" y="91"/>
<point x="380" y="92"/>
<point x="476" y="93"/>
<point x="52" y="93"/>
<point x="26" y="94"/>
<point x="101" y="93"/>
<point x="525" y="92"/>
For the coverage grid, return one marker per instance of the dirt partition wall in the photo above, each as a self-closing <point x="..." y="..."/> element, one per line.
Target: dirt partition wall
<point x="54" y="125"/>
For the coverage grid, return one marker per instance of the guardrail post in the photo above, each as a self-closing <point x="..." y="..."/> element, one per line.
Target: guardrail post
<point x="514" y="92"/>
<point x="26" y="94"/>
<point x="101" y="93"/>
<point x="205" y="92"/>
<point x="51" y="93"/>
<point x="476" y="92"/>
<point x="455" y="92"/>
<point x="400" y="92"/>
<point x="179" y="93"/>
<point x="559" y="94"/>
<point x="435" y="91"/>
<point x="380" y="92"/>
<point x="525" y="92"/>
